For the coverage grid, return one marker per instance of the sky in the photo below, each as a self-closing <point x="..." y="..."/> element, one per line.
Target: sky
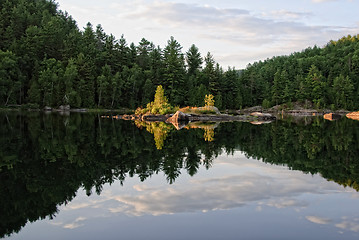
<point x="235" y="32"/>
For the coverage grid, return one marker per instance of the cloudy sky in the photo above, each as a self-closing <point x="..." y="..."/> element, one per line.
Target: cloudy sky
<point x="236" y="32"/>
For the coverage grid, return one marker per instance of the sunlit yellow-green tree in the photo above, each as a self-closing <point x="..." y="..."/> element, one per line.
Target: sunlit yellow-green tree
<point x="209" y="100"/>
<point x="159" y="105"/>
<point x="208" y="134"/>
<point x="160" y="130"/>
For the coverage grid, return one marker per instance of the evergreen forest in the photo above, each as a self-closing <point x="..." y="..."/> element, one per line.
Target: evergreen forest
<point x="46" y="60"/>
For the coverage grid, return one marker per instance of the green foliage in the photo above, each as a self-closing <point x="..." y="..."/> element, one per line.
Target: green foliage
<point x="305" y="76"/>
<point x="219" y="101"/>
<point x="10" y="78"/>
<point x="343" y="92"/>
<point x="160" y="104"/>
<point x="71" y="97"/>
<point x="194" y="60"/>
<point x="174" y="71"/>
<point x="160" y="131"/>
<point x="316" y="82"/>
<point x="46" y="60"/>
<point x="197" y="110"/>
<point x="197" y="95"/>
<point x="148" y="90"/>
<point x="266" y="104"/>
<point x="51" y="83"/>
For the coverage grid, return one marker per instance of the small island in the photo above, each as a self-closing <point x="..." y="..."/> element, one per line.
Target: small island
<point x="161" y="111"/>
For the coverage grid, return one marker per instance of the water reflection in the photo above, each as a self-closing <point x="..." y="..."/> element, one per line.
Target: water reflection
<point x="47" y="158"/>
<point x="234" y="185"/>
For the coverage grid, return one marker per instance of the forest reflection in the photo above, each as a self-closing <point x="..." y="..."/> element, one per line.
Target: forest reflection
<point x="160" y="130"/>
<point x="46" y="158"/>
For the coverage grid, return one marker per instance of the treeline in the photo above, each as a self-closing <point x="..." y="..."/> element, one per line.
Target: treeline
<point x="46" y="60"/>
<point x="327" y="77"/>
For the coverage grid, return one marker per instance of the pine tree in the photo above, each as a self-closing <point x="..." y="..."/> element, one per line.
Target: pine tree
<point x="103" y="82"/>
<point x="115" y="89"/>
<point x="317" y="86"/>
<point x="148" y="90"/>
<point x="278" y="88"/>
<point x="143" y="54"/>
<point x="156" y="66"/>
<point x="201" y="92"/>
<point x="194" y="60"/>
<point x="122" y="52"/>
<point x="86" y="85"/>
<point x="209" y="73"/>
<point x="343" y="92"/>
<point x="174" y="72"/>
<point x="288" y="91"/>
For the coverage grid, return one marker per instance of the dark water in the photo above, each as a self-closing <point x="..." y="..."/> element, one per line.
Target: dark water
<point x="86" y="177"/>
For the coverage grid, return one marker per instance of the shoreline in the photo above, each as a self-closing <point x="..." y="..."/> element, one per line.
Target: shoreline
<point x="183" y="117"/>
<point x="226" y="114"/>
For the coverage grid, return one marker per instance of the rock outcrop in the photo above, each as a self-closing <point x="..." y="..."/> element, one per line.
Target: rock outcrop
<point x="210" y="108"/>
<point x="332" y="116"/>
<point x="64" y="108"/>
<point x="263" y="116"/>
<point x="179" y="117"/>
<point x="353" y="115"/>
<point x="154" y="117"/>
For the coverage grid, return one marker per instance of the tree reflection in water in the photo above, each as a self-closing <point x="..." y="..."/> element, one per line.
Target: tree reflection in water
<point x="46" y="158"/>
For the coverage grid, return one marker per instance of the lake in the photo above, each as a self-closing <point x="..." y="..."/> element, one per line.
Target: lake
<point x="82" y="176"/>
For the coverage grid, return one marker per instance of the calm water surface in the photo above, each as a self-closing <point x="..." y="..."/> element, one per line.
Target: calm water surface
<point x="86" y="177"/>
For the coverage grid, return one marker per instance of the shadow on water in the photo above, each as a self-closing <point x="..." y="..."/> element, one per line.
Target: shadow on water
<point x="46" y="158"/>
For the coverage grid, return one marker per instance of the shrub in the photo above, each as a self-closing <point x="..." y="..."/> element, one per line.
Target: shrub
<point x="159" y="105"/>
<point x="195" y="110"/>
<point x="140" y="111"/>
<point x="266" y="104"/>
<point x="209" y="100"/>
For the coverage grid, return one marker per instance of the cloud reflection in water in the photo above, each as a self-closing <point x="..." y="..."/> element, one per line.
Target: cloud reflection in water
<point x="233" y="182"/>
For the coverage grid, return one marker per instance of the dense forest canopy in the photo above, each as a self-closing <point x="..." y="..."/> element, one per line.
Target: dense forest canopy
<point x="46" y="60"/>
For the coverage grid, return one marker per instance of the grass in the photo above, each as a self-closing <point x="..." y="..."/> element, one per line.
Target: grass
<point x="196" y="110"/>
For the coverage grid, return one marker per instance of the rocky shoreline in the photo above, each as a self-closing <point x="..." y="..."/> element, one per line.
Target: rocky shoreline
<point x="254" y="114"/>
<point x="183" y="117"/>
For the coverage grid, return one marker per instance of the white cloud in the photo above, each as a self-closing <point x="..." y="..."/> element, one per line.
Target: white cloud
<point x="287" y="202"/>
<point x="83" y="205"/>
<point x="77" y="206"/>
<point x="232" y="34"/>
<point x="250" y="182"/>
<point x="228" y="32"/>
<point x="321" y="1"/>
<point x="240" y="22"/>
<point x="73" y="225"/>
<point x="318" y="220"/>
<point x="219" y="193"/>
<point x="346" y="223"/>
<point x="287" y="15"/>
<point x="76" y="224"/>
<point x="233" y="182"/>
<point x="352" y="226"/>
